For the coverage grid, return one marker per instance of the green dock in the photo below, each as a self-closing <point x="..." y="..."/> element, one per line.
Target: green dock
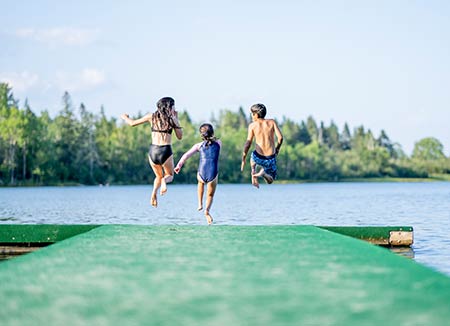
<point x="216" y="275"/>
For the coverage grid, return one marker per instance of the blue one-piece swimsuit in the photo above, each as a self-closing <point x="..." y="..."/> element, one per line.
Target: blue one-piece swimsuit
<point x="208" y="167"/>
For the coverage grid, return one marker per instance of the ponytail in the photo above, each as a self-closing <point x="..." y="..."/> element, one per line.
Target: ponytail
<point x="207" y="133"/>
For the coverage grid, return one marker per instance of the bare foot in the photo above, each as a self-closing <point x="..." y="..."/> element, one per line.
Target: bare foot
<point x="200" y="207"/>
<point x="163" y="187"/>
<point x="209" y="218"/>
<point x="255" y="182"/>
<point x="268" y="178"/>
<point x="154" y="201"/>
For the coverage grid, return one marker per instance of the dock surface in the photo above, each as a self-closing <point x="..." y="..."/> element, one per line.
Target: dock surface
<point x="219" y="275"/>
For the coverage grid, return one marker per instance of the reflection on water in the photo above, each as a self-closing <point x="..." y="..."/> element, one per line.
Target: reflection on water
<point x="425" y="206"/>
<point x="407" y="252"/>
<point x="5" y="219"/>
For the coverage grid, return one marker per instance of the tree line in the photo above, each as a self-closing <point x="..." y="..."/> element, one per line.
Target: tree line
<point x="80" y="147"/>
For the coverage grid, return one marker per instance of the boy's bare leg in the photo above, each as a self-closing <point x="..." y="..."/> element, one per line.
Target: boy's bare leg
<point x="259" y="174"/>
<point x="210" y="190"/>
<point x="262" y="173"/>
<point x="254" y="179"/>
<point x="268" y="178"/>
<point x="200" y="189"/>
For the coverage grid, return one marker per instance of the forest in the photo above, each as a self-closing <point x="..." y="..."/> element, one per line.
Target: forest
<point x="79" y="147"/>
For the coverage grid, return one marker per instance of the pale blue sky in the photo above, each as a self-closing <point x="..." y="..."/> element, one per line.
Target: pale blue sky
<point x="383" y="64"/>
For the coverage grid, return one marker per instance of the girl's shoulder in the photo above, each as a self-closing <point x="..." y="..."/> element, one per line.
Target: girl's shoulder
<point x="198" y="145"/>
<point x="206" y="143"/>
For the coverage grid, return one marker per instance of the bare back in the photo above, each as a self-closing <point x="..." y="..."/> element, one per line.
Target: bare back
<point x="158" y="137"/>
<point x="264" y="131"/>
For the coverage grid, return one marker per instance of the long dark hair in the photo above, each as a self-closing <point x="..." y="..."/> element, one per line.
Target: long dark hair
<point x="207" y="133"/>
<point x="162" y="117"/>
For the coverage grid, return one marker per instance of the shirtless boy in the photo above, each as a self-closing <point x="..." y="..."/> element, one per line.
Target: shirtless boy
<point x="264" y="132"/>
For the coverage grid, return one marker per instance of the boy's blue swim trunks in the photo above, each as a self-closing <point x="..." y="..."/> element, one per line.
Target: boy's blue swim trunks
<point x="268" y="163"/>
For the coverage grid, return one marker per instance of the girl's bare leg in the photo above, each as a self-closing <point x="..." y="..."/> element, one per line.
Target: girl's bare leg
<point x="168" y="174"/>
<point x="200" y="190"/>
<point x="210" y="190"/>
<point x="157" y="169"/>
<point x="154" y="198"/>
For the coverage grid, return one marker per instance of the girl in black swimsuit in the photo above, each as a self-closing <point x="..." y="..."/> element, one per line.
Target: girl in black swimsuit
<point x="163" y="121"/>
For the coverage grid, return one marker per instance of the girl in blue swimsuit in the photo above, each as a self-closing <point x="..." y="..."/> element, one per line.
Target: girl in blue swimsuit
<point x="208" y="167"/>
<point x="163" y="122"/>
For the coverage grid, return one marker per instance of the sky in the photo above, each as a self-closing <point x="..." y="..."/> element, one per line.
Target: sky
<point x="382" y="64"/>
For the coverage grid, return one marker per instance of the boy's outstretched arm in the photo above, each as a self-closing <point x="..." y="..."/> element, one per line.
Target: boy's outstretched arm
<point x="247" y="145"/>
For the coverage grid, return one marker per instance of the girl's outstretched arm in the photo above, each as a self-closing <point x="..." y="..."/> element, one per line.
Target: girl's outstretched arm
<point x="185" y="156"/>
<point x="131" y="122"/>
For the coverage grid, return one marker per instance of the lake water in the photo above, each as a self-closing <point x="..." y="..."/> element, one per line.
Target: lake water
<point x="425" y="206"/>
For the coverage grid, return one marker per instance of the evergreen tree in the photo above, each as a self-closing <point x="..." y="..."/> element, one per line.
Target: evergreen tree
<point x="346" y="138"/>
<point x="384" y="141"/>
<point x="370" y="141"/>
<point x="313" y="131"/>
<point x="333" y="136"/>
<point x="290" y="131"/>
<point x="45" y="167"/>
<point x="32" y="135"/>
<point x="303" y="134"/>
<point x="321" y="136"/>
<point x="243" y="121"/>
<point x="7" y="99"/>
<point x="11" y="132"/>
<point x="359" y="138"/>
<point x="105" y="130"/>
<point x="66" y="141"/>
<point x="87" y="156"/>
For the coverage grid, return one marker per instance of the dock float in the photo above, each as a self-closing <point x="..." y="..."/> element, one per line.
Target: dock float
<point x="392" y="236"/>
<point x="219" y="275"/>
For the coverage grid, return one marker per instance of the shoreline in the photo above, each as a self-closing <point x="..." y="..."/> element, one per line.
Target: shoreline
<point x="434" y="178"/>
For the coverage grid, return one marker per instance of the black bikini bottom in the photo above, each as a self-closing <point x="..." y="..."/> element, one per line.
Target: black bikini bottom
<point x="159" y="153"/>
